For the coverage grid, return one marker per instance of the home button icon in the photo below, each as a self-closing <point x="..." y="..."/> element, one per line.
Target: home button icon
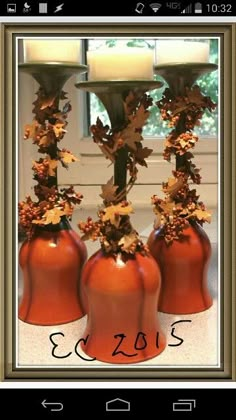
<point x="117" y="405"/>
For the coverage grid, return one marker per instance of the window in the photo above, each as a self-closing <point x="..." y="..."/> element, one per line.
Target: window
<point x="156" y="127"/>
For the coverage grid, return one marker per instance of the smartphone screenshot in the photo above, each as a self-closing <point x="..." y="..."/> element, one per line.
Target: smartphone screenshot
<point x="118" y="208"/>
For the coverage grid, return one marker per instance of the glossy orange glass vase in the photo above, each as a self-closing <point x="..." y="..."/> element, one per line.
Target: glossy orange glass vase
<point x="51" y="263"/>
<point x="120" y="294"/>
<point x="184" y="266"/>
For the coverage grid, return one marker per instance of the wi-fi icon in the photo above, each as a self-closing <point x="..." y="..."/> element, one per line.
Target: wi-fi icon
<point x="155" y="6"/>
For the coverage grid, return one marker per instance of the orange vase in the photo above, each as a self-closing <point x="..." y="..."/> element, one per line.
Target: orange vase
<point x="184" y="266"/>
<point x="121" y="294"/>
<point x="51" y="263"/>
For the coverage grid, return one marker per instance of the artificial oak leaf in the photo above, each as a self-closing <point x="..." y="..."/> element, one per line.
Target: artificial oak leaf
<point x="41" y="115"/>
<point x="130" y="136"/>
<point x="31" y="130"/>
<point x="124" y="209"/>
<point x="127" y="242"/>
<point x="195" y="96"/>
<point x="109" y="191"/>
<point x="61" y="116"/>
<point x="67" y="157"/>
<point x="70" y="195"/>
<point x="202" y="215"/>
<point x="171" y="182"/>
<point x="86" y="236"/>
<point x="141" y="154"/>
<point x="36" y="165"/>
<point x="183" y="143"/>
<point x="99" y="131"/>
<point x="170" y="140"/>
<point x="193" y="169"/>
<point x="173" y="186"/>
<point x="46" y="140"/>
<point x="138" y="120"/>
<point x="179" y="105"/>
<point x="48" y="102"/>
<point x="68" y="209"/>
<point x="52" y="166"/>
<point x="167" y="206"/>
<point x="113" y="213"/>
<point x="58" y="129"/>
<point x="51" y="216"/>
<point x="43" y="205"/>
<point x="44" y="192"/>
<point x="188" y="155"/>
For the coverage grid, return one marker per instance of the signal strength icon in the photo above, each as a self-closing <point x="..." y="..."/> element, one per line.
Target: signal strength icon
<point x="155" y="6"/>
<point x="187" y="9"/>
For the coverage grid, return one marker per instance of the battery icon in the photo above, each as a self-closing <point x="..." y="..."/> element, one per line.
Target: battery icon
<point x="198" y="8"/>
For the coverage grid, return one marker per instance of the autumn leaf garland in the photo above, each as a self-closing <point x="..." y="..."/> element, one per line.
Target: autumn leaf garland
<point x="46" y="131"/>
<point x="186" y="111"/>
<point x="181" y="204"/>
<point x="113" y="227"/>
<point x="114" y="230"/>
<point x="129" y="136"/>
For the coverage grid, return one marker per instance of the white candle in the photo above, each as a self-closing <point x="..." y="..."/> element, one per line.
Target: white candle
<point x="181" y="52"/>
<point x="45" y="50"/>
<point x="120" y="64"/>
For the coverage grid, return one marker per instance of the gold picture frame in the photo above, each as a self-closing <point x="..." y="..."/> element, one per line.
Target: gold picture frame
<point x="227" y="34"/>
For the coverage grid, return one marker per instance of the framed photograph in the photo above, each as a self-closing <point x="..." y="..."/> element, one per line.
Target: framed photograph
<point x="62" y="96"/>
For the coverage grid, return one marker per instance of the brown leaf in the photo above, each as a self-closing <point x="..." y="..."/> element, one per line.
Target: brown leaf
<point x="202" y="215"/>
<point x="109" y="191"/>
<point x="141" y="154"/>
<point x="173" y="186"/>
<point x="180" y="109"/>
<point x="68" y="209"/>
<point x="67" y="157"/>
<point x="113" y="213"/>
<point x="195" y="96"/>
<point x="51" y="216"/>
<point x="130" y="136"/>
<point x="46" y="191"/>
<point x="167" y="206"/>
<point x="99" y="131"/>
<point x="193" y="169"/>
<point x="183" y="143"/>
<point x="32" y="131"/>
<point x="46" y="140"/>
<point x="139" y="119"/>
<point x="47" y="102"/>
<point x="127" y="241"/>
<point x="170" y="140"/>
<point x="59" y="130"/>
